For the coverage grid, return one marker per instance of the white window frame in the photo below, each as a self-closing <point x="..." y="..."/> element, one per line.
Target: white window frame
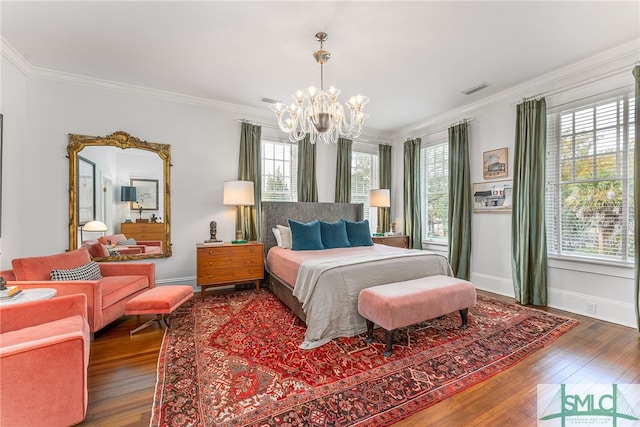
<point x="557" y="240"/>
<point x="362" y="196"/>
<point x="442" y="169"/>
<point x="288" y="165"/>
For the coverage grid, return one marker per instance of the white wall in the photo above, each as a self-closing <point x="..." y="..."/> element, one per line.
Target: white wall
<point x="13" y="107"/>
<point x="40" y="110"/>
<point x="572" y="285"/>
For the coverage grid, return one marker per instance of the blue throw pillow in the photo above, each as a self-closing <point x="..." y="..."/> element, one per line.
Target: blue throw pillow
<point x="358" y="233"/>
<point x="334" y="234"/>
<point x="305" y="236"/>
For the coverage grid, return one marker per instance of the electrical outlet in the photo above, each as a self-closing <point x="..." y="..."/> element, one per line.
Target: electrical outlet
<point x="591" y="308"/>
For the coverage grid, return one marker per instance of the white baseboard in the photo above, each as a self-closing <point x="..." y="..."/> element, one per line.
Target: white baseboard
<point x="495" y="284"/>
<point x="191" y="281"/>
<point x="178" y="281"/>
<point x="606" y="309"/>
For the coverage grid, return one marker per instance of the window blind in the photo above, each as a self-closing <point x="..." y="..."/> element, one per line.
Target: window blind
<point x="279" y="171"/>
<point x="364" y="177"/>
<point x="589" y="181"/>
<point x="434" y="176"/>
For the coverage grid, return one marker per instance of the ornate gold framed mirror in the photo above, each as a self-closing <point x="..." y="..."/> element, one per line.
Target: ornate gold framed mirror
<point x="103" y="174"/>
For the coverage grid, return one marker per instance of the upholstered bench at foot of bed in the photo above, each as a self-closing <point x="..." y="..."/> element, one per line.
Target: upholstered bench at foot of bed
<point x="397" y="305"/>
<point x="160" y="300"/>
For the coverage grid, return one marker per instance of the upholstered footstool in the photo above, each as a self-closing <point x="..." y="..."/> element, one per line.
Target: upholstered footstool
<point x="160" y="300"/>
<point x="400" y="304"/>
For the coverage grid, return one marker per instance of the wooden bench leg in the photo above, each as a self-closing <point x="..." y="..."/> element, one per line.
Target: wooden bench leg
<point x="369" y="337"/>
<point x="389" y="349"/>
<point x="464" y="315"/>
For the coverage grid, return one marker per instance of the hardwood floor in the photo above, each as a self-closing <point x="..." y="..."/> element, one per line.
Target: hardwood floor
<point x="122" y="375"/>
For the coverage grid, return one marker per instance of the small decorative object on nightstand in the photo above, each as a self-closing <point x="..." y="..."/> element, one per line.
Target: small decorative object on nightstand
<point x="213" y="231"/>
<point x="401" y="241"/>
<point x="229" y="264"/>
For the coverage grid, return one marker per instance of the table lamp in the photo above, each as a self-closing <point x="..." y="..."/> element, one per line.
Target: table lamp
<point x="380" y="198"/>
<point x="238" y="193"/>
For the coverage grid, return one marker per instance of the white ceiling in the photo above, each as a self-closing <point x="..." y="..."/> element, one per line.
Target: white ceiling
<point x="412" y="59"/>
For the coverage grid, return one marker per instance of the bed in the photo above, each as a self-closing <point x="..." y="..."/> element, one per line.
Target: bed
<point x="326" y="300"/>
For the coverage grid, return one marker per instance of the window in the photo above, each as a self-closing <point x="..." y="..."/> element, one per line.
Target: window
<point x="364" y="177"/>
<point x="589" y="188"/>
<point x="279" y="171"/>
<point x="434" y="178"/>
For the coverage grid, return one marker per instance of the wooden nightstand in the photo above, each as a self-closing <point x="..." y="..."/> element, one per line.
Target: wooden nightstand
<point x="229" y="263"/>
<point x="397" y="241"/>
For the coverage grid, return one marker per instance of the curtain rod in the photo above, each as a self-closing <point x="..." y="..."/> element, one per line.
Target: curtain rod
<point x="537" y="97"/>
<point x="441" y="128"/>
<point x="580" y="84"/>
<point x="251" y="122"/>
<point x="363" y="140"/>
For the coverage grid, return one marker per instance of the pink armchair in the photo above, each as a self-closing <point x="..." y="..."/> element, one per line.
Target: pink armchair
<point x="44" y="354"/>
<point x="106" y="297"/>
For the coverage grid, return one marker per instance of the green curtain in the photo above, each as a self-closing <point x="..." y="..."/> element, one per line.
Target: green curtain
<point x="636" y="195"/>
<point x="343" y="171"/>
<point x="384" y="174"/>
<point x="248" y="217"/>
<point x="412" y="210"/>
<point x="307" y="184"/>
<point x="528" y="233"/>
<point x="459" y="202"/>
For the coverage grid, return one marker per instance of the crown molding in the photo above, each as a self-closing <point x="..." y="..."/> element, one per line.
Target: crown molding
<point x="370" y="135"/>
<point x="13" y="56"/>
<point x="611" y="63"/>
<point x="608" y="64"/>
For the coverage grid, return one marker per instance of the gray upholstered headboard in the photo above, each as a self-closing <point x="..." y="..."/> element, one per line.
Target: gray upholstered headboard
<point x="277" y="213"/>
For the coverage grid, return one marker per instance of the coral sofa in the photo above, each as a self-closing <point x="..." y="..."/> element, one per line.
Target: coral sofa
<point x="106" y="296"/>
<point x="44" y="354"/>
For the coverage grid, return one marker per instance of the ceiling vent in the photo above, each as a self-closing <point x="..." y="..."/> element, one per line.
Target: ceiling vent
<point x="475" y="88"/>
<point x="269" y="100"/>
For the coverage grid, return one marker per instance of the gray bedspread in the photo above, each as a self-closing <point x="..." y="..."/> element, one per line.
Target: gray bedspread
<point x="328" y="288"/>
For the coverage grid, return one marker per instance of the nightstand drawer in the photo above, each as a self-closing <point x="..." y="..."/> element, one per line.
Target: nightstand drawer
<point x="226" y="275"/>
<point x="217" y="262"/>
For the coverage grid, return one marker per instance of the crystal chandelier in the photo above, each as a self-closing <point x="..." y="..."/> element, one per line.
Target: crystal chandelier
<point x="318" y="112"/>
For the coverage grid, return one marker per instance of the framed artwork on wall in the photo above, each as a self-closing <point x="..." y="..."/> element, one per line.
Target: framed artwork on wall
<point x="147" y="193"/>
<point x="86" y="190"/>
<point x="494" y="163"/>
<point x="494" y="196"/>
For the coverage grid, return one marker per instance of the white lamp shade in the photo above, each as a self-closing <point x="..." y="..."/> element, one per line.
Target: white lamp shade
<point x="380" y="198"/>
<point x="239" y="193"/>
<point x="94" y="226"/>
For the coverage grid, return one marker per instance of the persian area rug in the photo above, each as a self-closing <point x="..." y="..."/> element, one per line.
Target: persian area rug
<point x="233" y="360"/>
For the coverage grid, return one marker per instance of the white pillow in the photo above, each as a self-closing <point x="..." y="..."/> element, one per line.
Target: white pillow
<point x="276" y="234"/>
<point x="285" y="235"/>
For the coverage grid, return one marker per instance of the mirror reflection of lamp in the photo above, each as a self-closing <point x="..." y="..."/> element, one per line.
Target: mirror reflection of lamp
<point x="238" y="193"/>
<point x="128" y="194"/>
<point x="92" y="226"/>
